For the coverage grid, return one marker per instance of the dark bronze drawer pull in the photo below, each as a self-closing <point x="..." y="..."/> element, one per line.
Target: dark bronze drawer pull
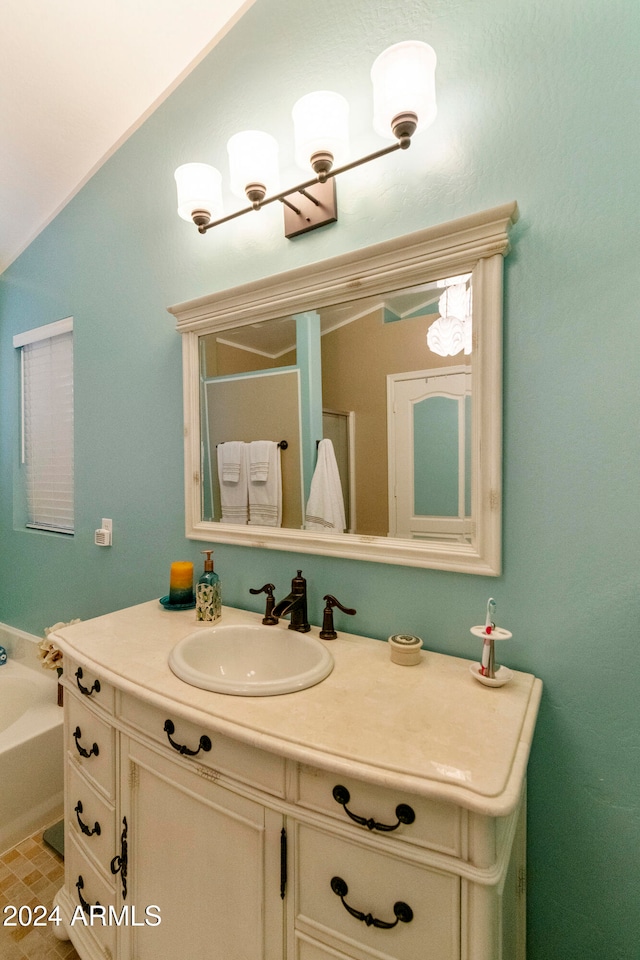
<point x="283" y="863"/>
<point x="81" y="750"/>
<point x="404" y="812"/>
<point x="85" y="829"/>
<point x="402" y="911"/>
<point x="83" y="903"/>
<point x="119" y="863"/>
<point x="85" y="690"/>
<point x="205" y="742"/>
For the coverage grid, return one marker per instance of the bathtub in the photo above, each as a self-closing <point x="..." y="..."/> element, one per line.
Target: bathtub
<point x="31" y="744"/>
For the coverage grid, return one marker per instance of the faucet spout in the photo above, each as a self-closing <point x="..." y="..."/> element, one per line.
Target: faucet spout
<point x="285" y="606"/>
<point x="295" y="604"/>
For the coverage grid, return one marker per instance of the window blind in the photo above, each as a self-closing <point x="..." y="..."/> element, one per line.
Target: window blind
<point x="47" y="425"/>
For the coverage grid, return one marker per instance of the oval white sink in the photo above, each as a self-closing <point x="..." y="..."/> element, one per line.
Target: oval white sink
<point x="250" y="660"/>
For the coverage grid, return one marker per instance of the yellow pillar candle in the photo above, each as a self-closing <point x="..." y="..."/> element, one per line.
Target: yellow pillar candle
<point x="181" y="582"/>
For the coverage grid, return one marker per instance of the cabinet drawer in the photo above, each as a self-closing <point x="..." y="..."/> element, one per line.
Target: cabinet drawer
<point x="229" y="757"/>
<point x="90" y="743"/>
<point x="89" y="685"/>
<point x="88" y="890"/>
<point x="90" y="819"/>
<point x="348" y="894"/>
<point x="433" y="824"/>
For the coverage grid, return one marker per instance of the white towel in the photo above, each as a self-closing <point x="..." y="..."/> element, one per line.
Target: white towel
<point x="234" y="494"/>
<point x="325" y="507"/>
<point x="265" y="496"/>
<point x="259" y="455"/>
<point x="230" y="455"/>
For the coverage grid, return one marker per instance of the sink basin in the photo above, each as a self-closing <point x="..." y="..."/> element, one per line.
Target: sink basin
<point x="250" y="660"/>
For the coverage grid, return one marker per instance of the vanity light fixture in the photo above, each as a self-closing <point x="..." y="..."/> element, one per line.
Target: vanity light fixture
<point x="404" y="103"/>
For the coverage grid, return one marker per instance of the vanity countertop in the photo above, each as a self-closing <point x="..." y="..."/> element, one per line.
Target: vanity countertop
<point x="430" y="729"/>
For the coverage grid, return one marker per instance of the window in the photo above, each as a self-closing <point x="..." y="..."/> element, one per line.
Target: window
<point x="47" y="425"/>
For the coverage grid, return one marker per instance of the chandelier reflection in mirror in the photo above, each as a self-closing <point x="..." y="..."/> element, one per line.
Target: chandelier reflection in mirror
<point x="452" y="331"/>
<point x="404" y="103"/>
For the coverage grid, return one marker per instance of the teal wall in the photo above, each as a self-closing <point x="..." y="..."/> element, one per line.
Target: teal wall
<point x="538" y="103"/>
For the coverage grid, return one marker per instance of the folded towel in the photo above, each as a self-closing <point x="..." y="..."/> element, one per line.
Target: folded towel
<point x="325" y="507"/>
<point x="231" y="455"/>
<point x="234" y="494"/>
<point x="265" y="496"/>
<point x="259" y="454"/>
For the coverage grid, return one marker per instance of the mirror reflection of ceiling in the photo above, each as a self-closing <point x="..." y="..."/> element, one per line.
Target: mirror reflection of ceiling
<point x="274" y="339"/>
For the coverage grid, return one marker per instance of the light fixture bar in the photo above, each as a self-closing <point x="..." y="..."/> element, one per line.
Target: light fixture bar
<point x="404" y="103"/>
<point x="288" y="204"/>
<point x="309" y="196"/>
<point x="402" y="144"/>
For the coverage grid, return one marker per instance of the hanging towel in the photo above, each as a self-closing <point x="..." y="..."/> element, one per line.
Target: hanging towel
<point x="325" y="507"/>
<point x="234" y="494"/>
<point x="259" y="454"/>
<point x="231" y="455"/>
<point x="265" y="496"/>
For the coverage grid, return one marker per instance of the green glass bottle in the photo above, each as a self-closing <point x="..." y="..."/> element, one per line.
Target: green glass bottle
<point x="208" y="592"/>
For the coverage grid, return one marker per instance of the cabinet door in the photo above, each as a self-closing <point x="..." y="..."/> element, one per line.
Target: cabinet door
<point x="206" y="857"/>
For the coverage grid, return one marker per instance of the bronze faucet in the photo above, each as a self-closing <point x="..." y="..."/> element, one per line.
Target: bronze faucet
<point x="268" y="588"/>
<point x="295" y="604"/>
<point x="328" y="631"/>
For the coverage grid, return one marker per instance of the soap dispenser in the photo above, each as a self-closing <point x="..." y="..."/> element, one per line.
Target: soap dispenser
<point x="208" y="592"/>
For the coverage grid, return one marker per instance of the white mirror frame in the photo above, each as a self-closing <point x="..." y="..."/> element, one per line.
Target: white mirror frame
<point x="475" y="244"/>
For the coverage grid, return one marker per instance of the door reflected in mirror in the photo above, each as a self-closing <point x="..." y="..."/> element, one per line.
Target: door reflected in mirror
<point x="394" y="354"/>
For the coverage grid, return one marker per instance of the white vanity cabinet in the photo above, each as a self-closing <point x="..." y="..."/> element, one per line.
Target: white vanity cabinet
<point x="355" y="881"/>
<point x="234" y="833"/>
<point x="91" y="797"/>
<point x="206" y="856"/>
<point x="190" y="865"/>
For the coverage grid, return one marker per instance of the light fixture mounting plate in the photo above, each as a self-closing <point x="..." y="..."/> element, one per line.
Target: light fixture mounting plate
<point x="311" y="214"/>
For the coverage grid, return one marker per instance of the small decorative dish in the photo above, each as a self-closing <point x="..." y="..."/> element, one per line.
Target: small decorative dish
<point x="176" y="606"/>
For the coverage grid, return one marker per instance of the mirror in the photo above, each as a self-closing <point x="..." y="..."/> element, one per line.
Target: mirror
<point x="379" y="411"/>
<point x="351" y="349"/>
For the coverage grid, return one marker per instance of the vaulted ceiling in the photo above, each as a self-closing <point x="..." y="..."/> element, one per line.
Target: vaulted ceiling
<point x="76" y="79"/>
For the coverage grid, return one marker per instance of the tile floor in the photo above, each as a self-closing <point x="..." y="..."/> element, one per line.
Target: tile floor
<point x="30" y="874"/>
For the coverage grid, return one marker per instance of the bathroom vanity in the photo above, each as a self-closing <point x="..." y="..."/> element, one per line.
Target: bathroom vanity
<point x="377" y="814"/>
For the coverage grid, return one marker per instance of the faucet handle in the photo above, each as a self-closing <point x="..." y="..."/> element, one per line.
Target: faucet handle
<point x="268" y="588"/>
<point x="328" y="631"/>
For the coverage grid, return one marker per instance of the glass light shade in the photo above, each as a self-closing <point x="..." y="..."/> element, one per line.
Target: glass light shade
<point x="445" y="336"/>
<point x="253" y="158"/>
<point x="455" y="301"/>
<point x="454" y="281"/>
<point x="199" y="188"/>
<point x="451" y="332"/>
<point x="321" y="124"/>
<point x="404" y="80"/>
<point x="467" y="335"/>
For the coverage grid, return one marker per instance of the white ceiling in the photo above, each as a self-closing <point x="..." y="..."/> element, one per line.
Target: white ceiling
<point x="77" y="77"/>
<point x="274" y="338"/>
